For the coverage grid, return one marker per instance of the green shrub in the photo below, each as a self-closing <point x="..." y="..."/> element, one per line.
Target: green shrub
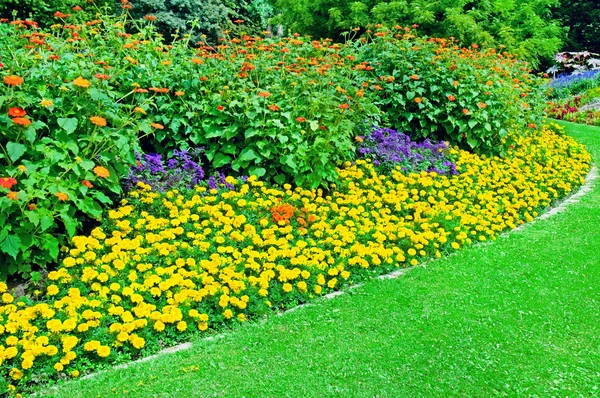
<point x="58" y="160"/>
<point x="431" y="88"/>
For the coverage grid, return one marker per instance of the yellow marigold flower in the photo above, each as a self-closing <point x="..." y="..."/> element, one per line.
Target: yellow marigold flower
<point x="58" y="367"/>
<point x="287" y="287"/>
<point x="46" y="103"/>
<point x="52" y="290"/>
<point x="228" y="314"/>
<point x="181" y="326"/>
<point x="16" y="374"/>
<point x="103" y="351"/>
<point x="7" y="298"/>
<point x="75" y="373"/>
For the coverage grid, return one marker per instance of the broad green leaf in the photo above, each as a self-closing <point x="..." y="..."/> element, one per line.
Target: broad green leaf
<point x="314" y="125"/>
<point x="11" y="245"/>
<point x="220" y="160"/>
<point x="51" y="245"/>
<point x="257" y="171"/>
<point x="15" y="150"/>
<point x="68" y="124"/>
<point x="248" y="155"/>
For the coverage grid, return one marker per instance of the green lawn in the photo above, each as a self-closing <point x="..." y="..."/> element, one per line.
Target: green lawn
<point x="518" y="317"/>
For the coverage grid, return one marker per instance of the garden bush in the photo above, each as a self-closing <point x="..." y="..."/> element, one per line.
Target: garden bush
<point x="164" y="266"/>
<point x="286" y="110"/>
<point x="431" y="88"/>
<point x="44" y="11"/>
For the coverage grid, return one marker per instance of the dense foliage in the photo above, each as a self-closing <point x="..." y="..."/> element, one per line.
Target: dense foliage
<point x="164" y="265"/>
<point x="523" y="27"/>
<point x="207" y="17"/>
<point x="582" y="20"/>
<point x="43" y="11"/>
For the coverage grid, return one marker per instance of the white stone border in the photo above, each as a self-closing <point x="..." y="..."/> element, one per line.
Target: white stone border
<point x="588" y="185"/>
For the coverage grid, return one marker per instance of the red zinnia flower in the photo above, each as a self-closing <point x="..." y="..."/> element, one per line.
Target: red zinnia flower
<point x="344" y="106"/>
<point x="451" y="98"/>
<point x="86" y="183"/>
<point x="300" y="119"/>
<point x="16" y="112"/>
<point x="220" y="107"/>
<point x="7" y="182"/>
<point x="274" y="108"/>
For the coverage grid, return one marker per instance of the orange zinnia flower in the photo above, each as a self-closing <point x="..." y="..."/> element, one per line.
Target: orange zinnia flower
<point x="81" y="82"/>
<point x="7" y="182"/>
<point x="13" y="80"/>
<point x="418" y="100"/>
<point x="197" y="61"/>
<point x="61" y="196"/>
<point x="300" y="119"/>
<point x="274" y="108"/>
<point x="98" y="121"/>
<point x="482" y="105"/>
<point x="344" y="106"/>
<point x="179" y="93"/>
<point x="414" y="77"/>
<point x="16" y="112"/>
<point x="101" y="172"/>
<point x="12" y="195"/>
<point x="86" y="183"/>
<point x="157" y="126"/>
<point x="466" y="111"/>
<point x="451" y="98"/>
<point x="264" y="94"/>
<point x="21" y="121"/>
<point x="32" y="206"/>
<point x="137" y="109"/>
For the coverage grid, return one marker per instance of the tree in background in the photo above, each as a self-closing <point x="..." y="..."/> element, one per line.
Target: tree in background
<point x="523" y="27"/>
<point x="212" y="16"/>
<point x="582" y="19"/>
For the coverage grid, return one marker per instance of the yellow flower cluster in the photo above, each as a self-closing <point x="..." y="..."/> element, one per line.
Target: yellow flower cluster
<point x="166" y="265"/>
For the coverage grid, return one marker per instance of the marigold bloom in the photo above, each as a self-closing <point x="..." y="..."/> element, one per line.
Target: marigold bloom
<point x="22" y="168"/>
<point x="101" y="172"/>
<point x="12" y="195"/>
<point x="21" y="121"/>
<point x="13" y="80"/>
<point x="61" y="196"/>
<point x="87" y="183"/>
<point x="16" y="112"/>
<point x="46" y="103"/>
<point x="98" y="121"/>
<point x="81" y="82"/>
<point x="358" y="138"/>
<point x="7" y="182"/>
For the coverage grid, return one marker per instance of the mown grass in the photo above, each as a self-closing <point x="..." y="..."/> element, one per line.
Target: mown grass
<point x="517" y="317"/>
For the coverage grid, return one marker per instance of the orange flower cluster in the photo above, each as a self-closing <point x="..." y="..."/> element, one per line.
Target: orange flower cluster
<point x="283" y="212"/>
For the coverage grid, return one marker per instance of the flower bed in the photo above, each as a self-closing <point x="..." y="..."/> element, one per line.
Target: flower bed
<point x="167" y="265"/>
